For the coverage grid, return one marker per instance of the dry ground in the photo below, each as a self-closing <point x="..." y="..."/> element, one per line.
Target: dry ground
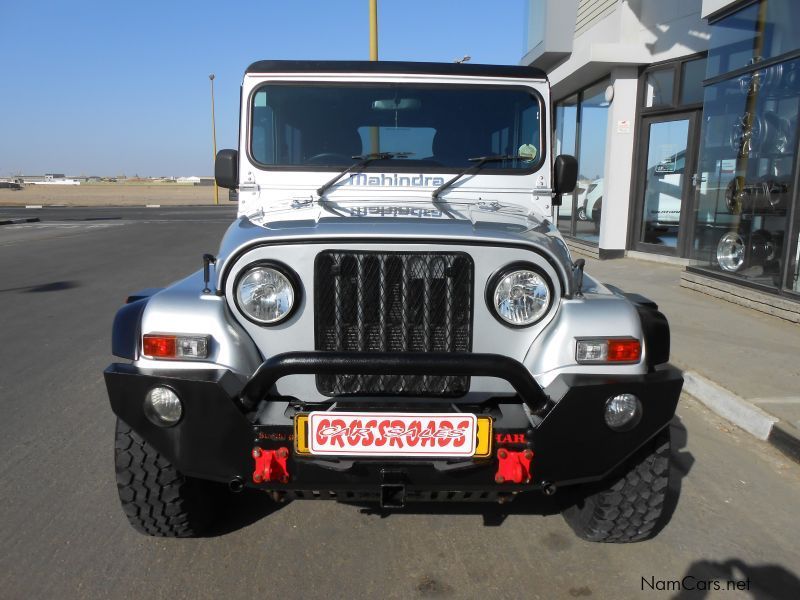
<point x="111" y="194"/>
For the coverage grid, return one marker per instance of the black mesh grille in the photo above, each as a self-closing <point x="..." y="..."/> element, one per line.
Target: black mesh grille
<point x="393" y="302"/>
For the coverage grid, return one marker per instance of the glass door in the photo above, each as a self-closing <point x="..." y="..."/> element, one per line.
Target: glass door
<point x="666" y="183"/>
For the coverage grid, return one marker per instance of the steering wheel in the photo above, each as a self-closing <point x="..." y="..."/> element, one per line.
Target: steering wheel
<point x="323" y="157"/>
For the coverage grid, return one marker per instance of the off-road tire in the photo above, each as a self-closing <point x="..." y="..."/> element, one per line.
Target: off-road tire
<point x="157" y="498"/>
<point x="630" y="508"/>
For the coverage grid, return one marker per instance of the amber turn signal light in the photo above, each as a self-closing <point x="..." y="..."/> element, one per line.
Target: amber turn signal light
<point x="160" y="345"/>
<point x="608" y="350"/>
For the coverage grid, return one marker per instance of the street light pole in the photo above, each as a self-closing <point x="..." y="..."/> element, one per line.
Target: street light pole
<point x="214" y="134"/>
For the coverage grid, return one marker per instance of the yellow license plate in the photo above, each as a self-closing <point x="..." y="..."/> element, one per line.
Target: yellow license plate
<point x="444" y="435"/>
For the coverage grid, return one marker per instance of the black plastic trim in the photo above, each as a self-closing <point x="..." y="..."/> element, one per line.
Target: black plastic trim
<point x="655" y="327"/>
<point x="495" y="278"/>
<point x="382" y="166"/>
<point x="572" y="444"/>
<point x="141" y="294"/>
<point x="395" y="67"/>
<point x="126" y="331"/>
<point x="283" y="270"/>
<point x="398" y="363"/>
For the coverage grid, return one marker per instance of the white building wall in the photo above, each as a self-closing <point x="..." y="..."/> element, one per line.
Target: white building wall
<point x="551" y="25"/>
<point x="619" y="155"/>
<point x="616" y="37"/>
<point x="627" y="32"/>
<point x="712" y="6"/>
<point x="592" y="11"/>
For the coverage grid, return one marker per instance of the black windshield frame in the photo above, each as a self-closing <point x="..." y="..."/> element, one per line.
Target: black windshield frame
<point x="397" y="165"/>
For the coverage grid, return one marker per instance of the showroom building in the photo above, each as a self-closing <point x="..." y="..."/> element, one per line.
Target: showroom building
<point x="683" y="115"/>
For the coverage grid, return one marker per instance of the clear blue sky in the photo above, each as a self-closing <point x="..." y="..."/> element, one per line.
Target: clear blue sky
<point x="111" y="87"/>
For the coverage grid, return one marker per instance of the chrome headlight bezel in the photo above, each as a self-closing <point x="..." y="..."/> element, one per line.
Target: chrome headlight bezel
<point x="494" y="281"/>
<point x="287" y="273"/>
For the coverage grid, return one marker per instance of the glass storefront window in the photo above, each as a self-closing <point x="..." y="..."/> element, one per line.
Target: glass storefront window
<point x="593" y="124"/>
<point x="746" y="173"/>
<point x="694" y="71"/>
<point x="757" y="32"/>
<point x="659" y="88"/>
<point x="566" y="115"/>
<point x="665" y="182"/>
<point x="581" y="123"/>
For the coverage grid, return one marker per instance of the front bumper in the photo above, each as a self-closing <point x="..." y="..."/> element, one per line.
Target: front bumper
<point x="563" y="425"/>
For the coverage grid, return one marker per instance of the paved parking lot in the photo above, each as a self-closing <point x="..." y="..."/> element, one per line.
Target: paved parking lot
<point x="64" y="535"/>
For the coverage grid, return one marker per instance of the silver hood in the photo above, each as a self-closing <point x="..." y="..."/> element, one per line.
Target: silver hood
<point x="479" y="223"/>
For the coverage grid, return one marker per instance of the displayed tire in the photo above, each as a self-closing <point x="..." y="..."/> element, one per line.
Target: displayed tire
<point x="629" y="508"/>
<point x="157" y="499"/>
<point x="731" y="252"/>
<point x="582" y="214"/>
<point x="767" y="133"/>
<point x="763" y="196"/>
<point x="735" y="251"/>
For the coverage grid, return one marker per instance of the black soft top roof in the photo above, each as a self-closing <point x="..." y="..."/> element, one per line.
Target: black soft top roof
<point x="381" y="66"/>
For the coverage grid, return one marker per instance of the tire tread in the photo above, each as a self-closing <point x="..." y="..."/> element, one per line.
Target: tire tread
<point x="630" y="508"/>
<point x="157" y="499"/>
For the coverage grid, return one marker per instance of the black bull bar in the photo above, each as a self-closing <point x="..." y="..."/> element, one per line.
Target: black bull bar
<point x="396" y="363"/>
<point x="571" y="442"/>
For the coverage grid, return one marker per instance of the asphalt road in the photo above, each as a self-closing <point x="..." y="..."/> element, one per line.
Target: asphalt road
<point x="64" y="535"/>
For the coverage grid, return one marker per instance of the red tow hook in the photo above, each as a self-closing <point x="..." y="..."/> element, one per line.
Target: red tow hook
<point x="513" y="466"/>
<point x="270" y="465"/>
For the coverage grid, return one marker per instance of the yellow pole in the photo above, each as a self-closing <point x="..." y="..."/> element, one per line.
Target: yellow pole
<point x="373" y="29"/>
<point x="214" y="134"/>
<point x="374" y="133"/>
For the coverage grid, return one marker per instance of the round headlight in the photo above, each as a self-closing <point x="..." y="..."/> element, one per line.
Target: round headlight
<point x="521" y="296"/>
<point x="162" y="406"/>
<point x="265" y="295"/>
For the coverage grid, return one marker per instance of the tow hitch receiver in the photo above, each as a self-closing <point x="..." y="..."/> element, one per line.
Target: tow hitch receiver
<point x="393" y="495"/>
<point x="270" y="465"/>
<point x="513" y="466"/>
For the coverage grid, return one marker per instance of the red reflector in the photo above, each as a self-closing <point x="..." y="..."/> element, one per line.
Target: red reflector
<point x="162" y="346"/>
<point x="624" y="350"/>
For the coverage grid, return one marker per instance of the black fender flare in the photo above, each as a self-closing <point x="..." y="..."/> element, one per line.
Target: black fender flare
<point x="126" y="330"/>
<point x="655" y="327"/>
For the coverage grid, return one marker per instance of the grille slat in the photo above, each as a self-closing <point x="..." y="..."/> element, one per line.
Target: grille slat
<point x="393" y="302"/>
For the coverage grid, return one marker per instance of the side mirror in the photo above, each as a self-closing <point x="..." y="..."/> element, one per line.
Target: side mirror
<point x="226" y="169"/>
<point x="565" y="176"/>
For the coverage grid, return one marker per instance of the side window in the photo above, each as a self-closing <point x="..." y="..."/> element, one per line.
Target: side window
<point x="292" y="152"/>
<point x="500" y="141"/>
<point x="529" y="131"/>
<point x="274" y="140"/>
<point x="524" y="136"/>
<point x="263" y="140"/>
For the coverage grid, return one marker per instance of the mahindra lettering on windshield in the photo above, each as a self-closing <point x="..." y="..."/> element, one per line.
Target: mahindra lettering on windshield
<point x="393" y="317"/>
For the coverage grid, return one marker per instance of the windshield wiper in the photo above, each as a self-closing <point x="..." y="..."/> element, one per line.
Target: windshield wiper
<point x="363" y="160"/>
<point x="479" y="162"/>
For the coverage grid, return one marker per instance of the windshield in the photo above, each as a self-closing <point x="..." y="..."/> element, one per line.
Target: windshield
<point x="422" y="127"/>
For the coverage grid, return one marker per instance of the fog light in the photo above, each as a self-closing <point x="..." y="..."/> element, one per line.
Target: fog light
<point x="163" y="407"/>
<point x="623" y="412"/>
